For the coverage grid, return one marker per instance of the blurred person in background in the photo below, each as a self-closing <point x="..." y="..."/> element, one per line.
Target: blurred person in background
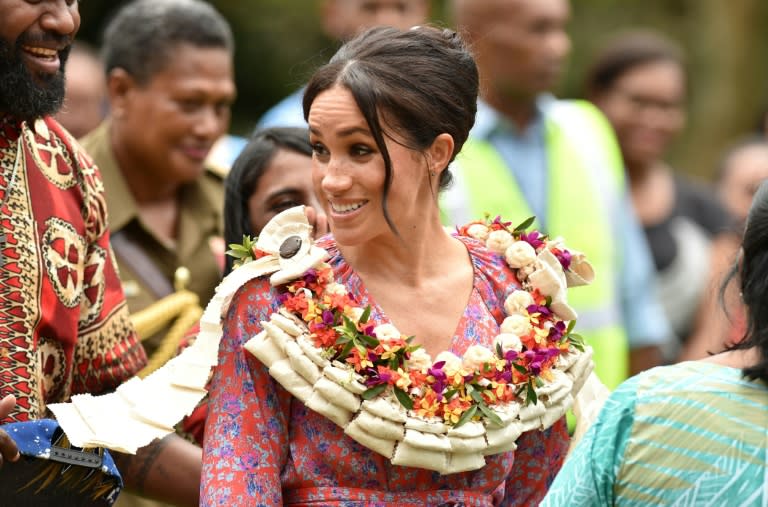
<point x="639" y="81"/>
<point x="85" y="98"/>
<point x="531" y="154"/>
<point x="694" y="433"/>
<point x="272" y="173"/>
<point x="169" y="69"/>
<point x="741" y="171"/>
<point x="341" y="20"/>
<point x="170" y="80"/>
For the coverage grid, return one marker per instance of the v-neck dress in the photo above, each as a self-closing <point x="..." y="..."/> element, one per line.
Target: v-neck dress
<point x="264" y="447"/>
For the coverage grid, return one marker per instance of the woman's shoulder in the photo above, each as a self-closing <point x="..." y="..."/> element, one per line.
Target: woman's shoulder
<point x="489" y="265"/>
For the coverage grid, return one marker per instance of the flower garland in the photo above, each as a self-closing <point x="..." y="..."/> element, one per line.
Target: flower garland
<point x="537" y="331"/>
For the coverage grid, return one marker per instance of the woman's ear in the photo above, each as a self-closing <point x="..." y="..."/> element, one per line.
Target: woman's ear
<point x="440" y="153"/>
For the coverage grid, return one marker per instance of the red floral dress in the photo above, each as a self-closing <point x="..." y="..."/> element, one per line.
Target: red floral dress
<point x="264" y="447"/>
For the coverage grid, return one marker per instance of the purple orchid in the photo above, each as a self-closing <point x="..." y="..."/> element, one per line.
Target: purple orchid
<point x="533" y="238"/>
<point x="540" y="309"/>
<point x="564" y="256"/>
<point x="328" y="318"/>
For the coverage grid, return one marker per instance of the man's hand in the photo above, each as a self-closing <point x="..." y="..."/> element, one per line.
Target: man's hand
<point x="8" y="449"/>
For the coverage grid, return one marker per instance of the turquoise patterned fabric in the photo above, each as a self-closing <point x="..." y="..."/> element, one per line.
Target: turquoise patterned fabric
<point x="691" y="434"/>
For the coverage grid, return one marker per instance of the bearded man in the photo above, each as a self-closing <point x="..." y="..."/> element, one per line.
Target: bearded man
<point x="64" y="324"/>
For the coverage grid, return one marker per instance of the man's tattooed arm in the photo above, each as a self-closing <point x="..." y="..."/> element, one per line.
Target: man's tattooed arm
<point x="167" y="469"/>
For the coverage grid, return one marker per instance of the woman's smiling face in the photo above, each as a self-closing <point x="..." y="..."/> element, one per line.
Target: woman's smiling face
<point x="349" y="172"/>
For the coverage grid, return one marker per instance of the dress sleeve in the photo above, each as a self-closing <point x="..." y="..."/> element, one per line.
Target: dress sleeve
<point x="587" y="479"/>
<point x="246" y="434"/>
<point x="538" y="458"/>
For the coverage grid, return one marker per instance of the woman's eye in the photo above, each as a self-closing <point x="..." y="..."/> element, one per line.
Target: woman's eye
<point x="361" y="149"/>
<point x="319" y="149"/>
<point x="284" y="205"/>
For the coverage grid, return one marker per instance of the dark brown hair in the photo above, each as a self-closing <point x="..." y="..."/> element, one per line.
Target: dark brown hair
<point x="751" y="273"/>
<point x="626" y="51"/>
<point x="423" y="82"/>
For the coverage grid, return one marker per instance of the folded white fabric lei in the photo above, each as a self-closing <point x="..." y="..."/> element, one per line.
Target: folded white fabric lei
<point x="387" y="393"/>
<point x="442" y="414"/>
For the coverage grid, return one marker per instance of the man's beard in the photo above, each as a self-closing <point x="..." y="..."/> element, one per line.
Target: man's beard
<point x="23" y="95"/>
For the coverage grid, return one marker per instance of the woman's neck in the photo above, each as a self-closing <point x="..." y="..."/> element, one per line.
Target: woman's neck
<point x="739" y="359"/>
<point x="418" y="254"/>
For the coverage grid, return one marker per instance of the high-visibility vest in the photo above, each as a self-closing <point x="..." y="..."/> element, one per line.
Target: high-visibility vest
<point x="585" y="181"/>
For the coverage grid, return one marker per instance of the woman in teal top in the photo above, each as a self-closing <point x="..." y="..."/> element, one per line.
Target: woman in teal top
<point x="691" y="434"/>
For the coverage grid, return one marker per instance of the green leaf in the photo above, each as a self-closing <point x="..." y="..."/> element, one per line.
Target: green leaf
<point x="571" y="325"/>
<point x="466" y="416"/>
<point x="539" y="382"/>
<point x="370" y="341"/>
<point x="403" y="398"/>
<point x="366" y="314"/>
<point x="349" y="325"/>
<point x="346" y="350"/>
<point x="530" y="395"/>
<point x="527" y="223"/>
<point x="490" y="414"/>
<point x="475" y="395"/>
<point x="499" y="352"/>
<point x="343" y="339"/>
<point x="374" y="391"/>
<point x="449" y="393"/>
<point x="520" y="368"/>
<point x="548" y="301"/>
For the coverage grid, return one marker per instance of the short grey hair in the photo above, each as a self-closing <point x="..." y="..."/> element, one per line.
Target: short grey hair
<point x="142" y="35"/>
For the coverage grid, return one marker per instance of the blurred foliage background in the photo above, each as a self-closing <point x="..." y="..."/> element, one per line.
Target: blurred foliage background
<point x="279" y="43"/>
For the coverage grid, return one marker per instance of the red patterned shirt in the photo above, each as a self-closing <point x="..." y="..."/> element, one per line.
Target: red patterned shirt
<point x="64" y="325"/>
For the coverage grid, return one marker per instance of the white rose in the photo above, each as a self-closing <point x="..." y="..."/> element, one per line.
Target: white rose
<point x="476" y="356"/>
<point x="452" y="361"/>
<point x="516" y="324"/>
<point x="386" y="332"/>
<point x="520" y="254"/>
<point x="478" y="231"/>
<point x="420" y="360"/>
<point x="518" y="301"/>
<point x="499" y="241"/>
<point x="508" y="341"/>
<point x="335" y="288"/>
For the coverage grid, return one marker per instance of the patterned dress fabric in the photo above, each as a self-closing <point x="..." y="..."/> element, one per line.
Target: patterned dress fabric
<point x="692" y="434"/>
<point x="64" y="325"/>
<point x="263" y="447"/>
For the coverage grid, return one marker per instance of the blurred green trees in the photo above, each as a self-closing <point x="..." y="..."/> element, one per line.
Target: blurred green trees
<point x="279" y="43"/>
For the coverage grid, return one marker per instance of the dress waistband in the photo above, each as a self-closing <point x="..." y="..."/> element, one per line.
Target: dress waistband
<point x="340" y="496"/>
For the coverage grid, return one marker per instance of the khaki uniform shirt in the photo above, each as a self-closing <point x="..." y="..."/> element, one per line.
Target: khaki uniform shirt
<point x="200" y="226"/>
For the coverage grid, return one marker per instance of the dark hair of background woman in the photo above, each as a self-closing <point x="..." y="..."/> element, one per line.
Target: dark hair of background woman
<point x="244" y="177"/>
<point x="422" y="82"/>
<point x="751" y="272"/>
<point x="628" y="50"/>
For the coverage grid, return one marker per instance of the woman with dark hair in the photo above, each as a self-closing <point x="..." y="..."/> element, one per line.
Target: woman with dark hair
<point x="639" y="81"/>
<point x="368" y="419"/>
<point x="695" y="433"/>
<point x="271" y="174"/>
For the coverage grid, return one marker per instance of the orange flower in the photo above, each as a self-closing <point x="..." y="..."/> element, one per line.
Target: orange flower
<point x="358" y="361"/>
<point x="427" y="405"/>
<point x="453" y="409"/>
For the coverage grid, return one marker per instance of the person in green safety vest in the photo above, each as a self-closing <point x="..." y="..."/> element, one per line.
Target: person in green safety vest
<point x="531" y="154"/>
